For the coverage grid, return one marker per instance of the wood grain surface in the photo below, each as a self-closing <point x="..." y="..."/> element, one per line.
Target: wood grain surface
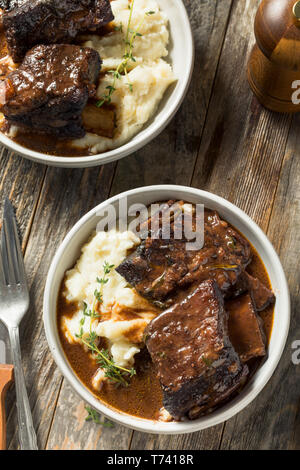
<point x="221" y="140"/>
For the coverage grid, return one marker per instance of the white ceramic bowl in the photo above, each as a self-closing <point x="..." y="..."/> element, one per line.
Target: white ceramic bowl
<point x="68" y="253"/>
<point x="181" y="56"/>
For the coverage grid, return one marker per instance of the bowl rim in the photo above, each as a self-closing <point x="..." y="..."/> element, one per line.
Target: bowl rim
<point x="227" y="411"/>
<point x="138" y="141"/>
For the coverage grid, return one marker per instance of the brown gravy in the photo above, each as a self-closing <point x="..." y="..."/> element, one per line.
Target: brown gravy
<point x="143" y="397"/>
<point x="46" y="145"/>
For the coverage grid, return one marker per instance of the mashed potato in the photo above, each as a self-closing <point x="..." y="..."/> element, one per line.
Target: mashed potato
<point x="149" y="47"/>
<point x="123" y="314"/>
<point x="150" y="75"/>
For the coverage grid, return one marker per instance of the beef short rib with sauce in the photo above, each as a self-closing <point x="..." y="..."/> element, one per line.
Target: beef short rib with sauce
<point x="245" y="328"/>
<point x="48" y="92"/>
<point x="27" y="23"/>
<point x="262" y="296"/>
<point x="196" y="363"/>
<point x="160" y="269"/>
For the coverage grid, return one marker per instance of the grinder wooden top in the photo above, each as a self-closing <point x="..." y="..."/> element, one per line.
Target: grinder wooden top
<point x="277" y="31"/>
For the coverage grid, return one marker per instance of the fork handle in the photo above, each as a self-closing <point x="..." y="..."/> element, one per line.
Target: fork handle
<point x="27" y="434"/>
<point x="6" y="377"/>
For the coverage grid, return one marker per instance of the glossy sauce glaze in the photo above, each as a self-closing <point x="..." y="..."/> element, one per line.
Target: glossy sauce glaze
<point x="143" y="397"/>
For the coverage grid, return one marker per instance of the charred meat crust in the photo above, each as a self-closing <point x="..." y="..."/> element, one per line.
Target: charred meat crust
<point x="196" y="363"/>
<point x="262" y="297"/>
<point x="160" y="268"/>
<point x="32" y="22"/>
<point x="245" y="328"/>
<point x="48" y="92"/>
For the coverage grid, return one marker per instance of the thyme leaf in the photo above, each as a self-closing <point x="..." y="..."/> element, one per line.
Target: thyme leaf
<point x="122" y="69"/>
<point x="207" y="361"/>
<point x="231" y="243"/>
<point x="119" y="28"/>
<point x="94" y="416"/>
<point x="161" y="354"/>
<point x="105" y="360"/>
<point x="87" y="312"/>
<point x="103" y="357"/>
<point x="98" y="294"/>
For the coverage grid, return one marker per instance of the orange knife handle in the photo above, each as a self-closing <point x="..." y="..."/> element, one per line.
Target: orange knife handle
<point x="6" y="377"/>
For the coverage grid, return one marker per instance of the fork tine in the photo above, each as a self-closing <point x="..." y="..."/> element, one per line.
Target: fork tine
<point x="6" y="261"/>
<point x="13" y="264"/>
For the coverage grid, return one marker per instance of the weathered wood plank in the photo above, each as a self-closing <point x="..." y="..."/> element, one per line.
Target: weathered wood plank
<point x="205" y="440"/>
<point x="243" y="144"/>
<point x="71" y="431"/>
<point x="21" y="181"/>
<point x="65" y="197"/>
<point x="273" y="420"/>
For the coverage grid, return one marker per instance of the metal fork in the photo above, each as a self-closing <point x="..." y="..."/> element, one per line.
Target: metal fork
<point x="14" y="303"/>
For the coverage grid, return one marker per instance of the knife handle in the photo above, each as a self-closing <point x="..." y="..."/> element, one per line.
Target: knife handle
<point x="6" y="377"/>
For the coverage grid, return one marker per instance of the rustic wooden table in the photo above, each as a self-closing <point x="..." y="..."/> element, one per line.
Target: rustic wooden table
<point x="222" y="141"/>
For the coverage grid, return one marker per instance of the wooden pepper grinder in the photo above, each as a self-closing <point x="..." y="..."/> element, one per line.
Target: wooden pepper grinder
<point x="274" y="64"/>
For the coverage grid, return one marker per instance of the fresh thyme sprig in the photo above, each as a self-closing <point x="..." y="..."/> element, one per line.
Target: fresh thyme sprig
<point x="114" y="372"/>
<point x="94" y="416"/>
<point x="102" y="281"/>
<point x="104" y="359"/>
<point x="98" y="294"/>
<point x="87" y="312"/>
<point x="122" y="70"/>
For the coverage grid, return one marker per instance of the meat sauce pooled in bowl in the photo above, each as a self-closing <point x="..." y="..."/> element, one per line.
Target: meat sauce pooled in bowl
<point x="162" y="332"/>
